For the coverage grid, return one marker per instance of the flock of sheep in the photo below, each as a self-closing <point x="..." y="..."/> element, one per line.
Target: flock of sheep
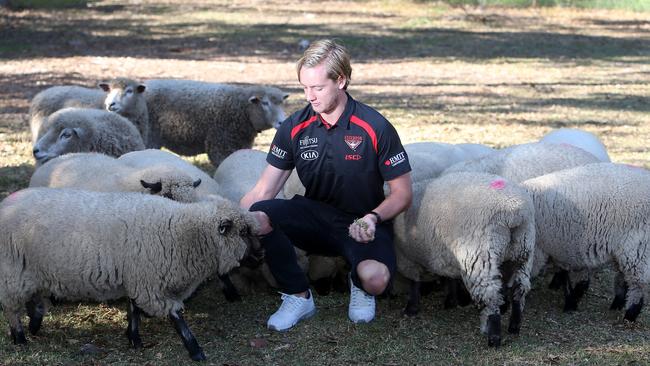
<point x="108" y="215"/>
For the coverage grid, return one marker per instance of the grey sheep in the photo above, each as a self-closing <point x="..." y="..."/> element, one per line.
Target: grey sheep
<point x="239" y="172"/>
<point x="594" y="215"/>
<point x="470" y="225"/>
<point x="578" y="138"/>
<point x="102" y="173"/>
<point x="82" y="245"/>
<point x="520" y="162"/>
<point x="208" y="189"/>
<point x="55" y="98"/>
<point x="86" y="130"/>
<point x="193" y="117"/>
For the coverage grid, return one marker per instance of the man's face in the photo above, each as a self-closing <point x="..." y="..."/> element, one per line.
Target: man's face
<point x="323" y="93"/>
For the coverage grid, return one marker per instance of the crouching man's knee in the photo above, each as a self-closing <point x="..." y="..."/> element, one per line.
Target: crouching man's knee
<point x="374" y="276"/>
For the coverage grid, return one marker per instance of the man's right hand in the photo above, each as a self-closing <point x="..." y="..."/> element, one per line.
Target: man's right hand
<point x="263" y="221"/>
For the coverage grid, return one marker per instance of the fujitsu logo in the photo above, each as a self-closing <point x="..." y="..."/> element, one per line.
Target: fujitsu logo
<point x="278" y="152"/>
<point x="396" y="159"/>
<point x="306" y="141"/>
<point x="353" y="141"/>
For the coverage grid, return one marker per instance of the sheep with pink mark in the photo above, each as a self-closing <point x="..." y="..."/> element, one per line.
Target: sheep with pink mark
<point x="476" y="227"/>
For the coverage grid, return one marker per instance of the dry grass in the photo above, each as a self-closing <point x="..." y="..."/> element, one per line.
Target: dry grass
<point x="496" y="77"/>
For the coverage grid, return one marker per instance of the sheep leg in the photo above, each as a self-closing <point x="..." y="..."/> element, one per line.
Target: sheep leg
<point x="413" y="304"/>
<point x="573" y="294"/>
<point x="190" y="343"/>
<point x="35" y="310"/>
<point x="634" y="302"/>
<point x="12" y="315"/>
<point x="451" y="300"/>
<point x="133" y="329"/>
<point x="559" y="280"/>
<point x="229" y="290"/>
<point x="620" y="292"/>
<point x="323" y="286"/>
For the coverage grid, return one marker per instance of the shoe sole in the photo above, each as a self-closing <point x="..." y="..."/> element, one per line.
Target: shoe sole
<point x="306" y="316"/>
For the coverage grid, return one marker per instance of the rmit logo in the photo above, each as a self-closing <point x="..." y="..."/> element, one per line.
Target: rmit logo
<point x="395" y="159"/>
<point x="353" y="157"/>
<point x="309" y="155"/>
<point x="278" y="152"/>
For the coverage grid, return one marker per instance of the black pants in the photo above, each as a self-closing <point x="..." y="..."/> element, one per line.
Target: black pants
<point x="316" y="228"/>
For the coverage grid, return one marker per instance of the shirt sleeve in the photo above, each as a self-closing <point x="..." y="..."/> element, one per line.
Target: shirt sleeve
<point x="281" y="153"/>
<point x="391" y="156"/>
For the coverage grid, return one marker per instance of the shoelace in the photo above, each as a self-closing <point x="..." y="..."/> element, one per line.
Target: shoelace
<point x="290" y="303"/>
<point x="360" y="298"/>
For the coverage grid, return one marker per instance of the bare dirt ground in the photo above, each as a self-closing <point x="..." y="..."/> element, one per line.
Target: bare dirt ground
<point x="493" y="76"/>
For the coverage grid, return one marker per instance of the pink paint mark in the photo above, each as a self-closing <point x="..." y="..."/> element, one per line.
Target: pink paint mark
<point x="13" y="196"/>
<point x="498" y="184"/>
<point x="632" y="166"/>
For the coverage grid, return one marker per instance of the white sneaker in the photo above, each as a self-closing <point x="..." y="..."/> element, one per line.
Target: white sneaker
<point x="293" y="309"/>
<point x="362" y="305"/>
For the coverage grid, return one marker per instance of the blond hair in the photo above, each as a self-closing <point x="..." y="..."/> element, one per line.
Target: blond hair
<point x="335" y="57"/>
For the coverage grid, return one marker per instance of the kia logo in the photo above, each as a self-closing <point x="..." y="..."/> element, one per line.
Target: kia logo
<point x="309" y="155"/>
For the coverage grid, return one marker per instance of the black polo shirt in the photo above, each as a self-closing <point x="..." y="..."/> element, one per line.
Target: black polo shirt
<point x="344" y="165"/>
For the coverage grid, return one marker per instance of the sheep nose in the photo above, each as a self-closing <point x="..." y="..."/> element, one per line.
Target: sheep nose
<point x="35" y="151"/>
<point x="111" y="107"/>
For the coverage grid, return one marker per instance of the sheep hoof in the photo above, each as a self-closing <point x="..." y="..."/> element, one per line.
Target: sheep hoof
<point x="570" y="304"/>
<point x="35" y="312"/>
<point x="515" y="318"/>
<point x="134" y="339"/>
<point x="411" y="310"/>
<point x="323" y="286"/>
<point x="494" y="330"/>
<point x="198" y="356"/>
<point x="18" y="336"/>
<point x="633" y="311"/>
<point x="618" y="303"/>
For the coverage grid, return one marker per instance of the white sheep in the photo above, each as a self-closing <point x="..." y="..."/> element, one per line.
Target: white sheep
<point x="128" y="94"/>
<point x="99" y="246"/>
<point x="102" y="173"/>
<point x="238" y="173"/>
<point x="86" y="130"/>
<point x="578" y="138"/>
<point x="470" y="225"/>
<point x="593" y="215"/>
<point x="208" y="189"/>
<point x="520" y="162"/>
<point x="193" y="117"/>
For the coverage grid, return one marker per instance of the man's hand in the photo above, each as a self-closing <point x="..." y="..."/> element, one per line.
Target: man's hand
<point x="363" y="229"/>
<point x="263" y="221"/>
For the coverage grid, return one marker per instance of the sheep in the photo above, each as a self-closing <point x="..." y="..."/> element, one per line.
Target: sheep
<point x="520" y="162"/>
<point x="239" y="172"/>
<point x="127" y="92"/>
<point x="578" y="138"/>
<point x="601" y="210"/>
<point x="126" y="97"/>
<point x="102" y="173"/>
<point x="86" y="130"/>
<point x="142" y="159"/>
<point x="82" y="245"/>
<point x="193" y="117"/>
<point x="470" y="225"/>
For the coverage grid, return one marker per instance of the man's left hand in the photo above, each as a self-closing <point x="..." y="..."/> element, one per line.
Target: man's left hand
<point x="363" y="229"/>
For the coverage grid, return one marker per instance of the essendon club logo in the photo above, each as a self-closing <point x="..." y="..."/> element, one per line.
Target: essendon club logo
<point x="353" y="141"/>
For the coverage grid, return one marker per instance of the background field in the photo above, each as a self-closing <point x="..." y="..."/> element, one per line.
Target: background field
<point x="492" y="75"/>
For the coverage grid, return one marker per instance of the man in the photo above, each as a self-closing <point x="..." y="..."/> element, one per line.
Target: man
<point x="343" y="152"/>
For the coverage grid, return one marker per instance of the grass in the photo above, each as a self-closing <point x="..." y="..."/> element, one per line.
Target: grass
<point x="632" y="5"/>
<point x="497" y="76"/>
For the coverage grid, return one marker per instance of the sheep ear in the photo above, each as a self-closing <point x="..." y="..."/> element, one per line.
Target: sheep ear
<point x="254" y="99"/>
<point x="196" y="183"/>
<point x="104" y="87"/>
<point x="78" y="131"/>
<point x="153" y="187"/>
<point x="140" y="88"/>
<point x="284" y="97"/>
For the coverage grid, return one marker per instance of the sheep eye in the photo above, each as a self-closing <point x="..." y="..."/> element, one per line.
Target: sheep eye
<point x="224" y="227"/>
<point x="265" y="102"/>
<point x="65" y="135"/>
